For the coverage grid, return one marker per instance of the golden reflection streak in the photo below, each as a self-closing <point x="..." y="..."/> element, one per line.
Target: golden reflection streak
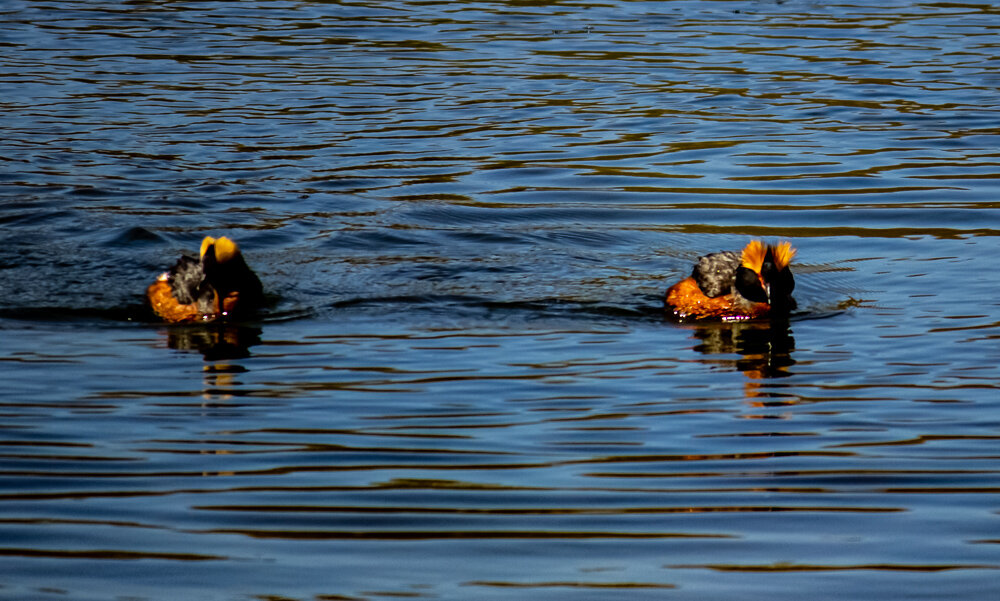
<point x="828" y="232"/>
<point x="916" y="441"/>
<point x="293" y="469"/>
<point x="546" y="511"/>
<point x="81" y="522"/>
<point x="457" y="534"/>
<point x="106" y="554"/>
<point x="791" y="567"/>
<point x="353" y="432"/>
<point x="125" y="494"/>
<point x="206" y="447"/>
<point x="571" y="584"/>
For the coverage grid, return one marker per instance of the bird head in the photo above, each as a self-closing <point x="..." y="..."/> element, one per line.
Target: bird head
<point x="218" y="257"/>
<point x="764" y="276"/>
<point x="226" y="269"/>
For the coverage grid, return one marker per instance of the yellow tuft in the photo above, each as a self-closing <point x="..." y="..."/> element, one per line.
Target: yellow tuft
<point x="753" y="255"/>
<point x="208" y="241"/>
<point x="783" y="254"/>
<point x="225" y="250"/>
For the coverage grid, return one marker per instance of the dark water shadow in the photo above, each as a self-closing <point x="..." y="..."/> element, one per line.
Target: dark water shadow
<point x="215" y="341"/>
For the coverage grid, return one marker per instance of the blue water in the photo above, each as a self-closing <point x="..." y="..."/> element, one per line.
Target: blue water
<point x="465" y="215"/>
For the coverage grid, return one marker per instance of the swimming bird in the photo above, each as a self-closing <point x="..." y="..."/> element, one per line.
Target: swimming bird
<point x="737" y="286"/>
<point x="217" y="285"/>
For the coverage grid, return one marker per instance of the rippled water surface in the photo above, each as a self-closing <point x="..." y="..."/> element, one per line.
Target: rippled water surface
<point x="465" y="215"/>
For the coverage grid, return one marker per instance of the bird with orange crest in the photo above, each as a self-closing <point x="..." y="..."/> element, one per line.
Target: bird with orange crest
<point x="736" y="286"/>
<point x="217" y="285"/>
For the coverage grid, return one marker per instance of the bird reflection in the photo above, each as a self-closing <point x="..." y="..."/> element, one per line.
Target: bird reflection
<point x="764" y="349"/>
<point x="215" y="341"/>
<point x="219" y="343"/>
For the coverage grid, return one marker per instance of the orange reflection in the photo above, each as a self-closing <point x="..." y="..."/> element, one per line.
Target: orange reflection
<point x="218" y="343"/>
<point x="764" y="349"/>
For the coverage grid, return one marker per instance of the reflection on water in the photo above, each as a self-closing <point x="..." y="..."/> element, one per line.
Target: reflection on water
<point x="216" y="341"/>
<point x="764" y="351"/>
<point x="765" y="347"/>
<point x="467" y="215"/>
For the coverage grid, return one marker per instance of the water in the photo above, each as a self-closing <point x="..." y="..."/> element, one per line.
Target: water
<point x="466" y="214"/>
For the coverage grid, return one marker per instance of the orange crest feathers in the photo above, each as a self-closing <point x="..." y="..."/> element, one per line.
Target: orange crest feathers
<point x="208" y="241"/>
<point x="783" y="254"/>
<point x="225" y="250"/>
<point x="755" y="253"/>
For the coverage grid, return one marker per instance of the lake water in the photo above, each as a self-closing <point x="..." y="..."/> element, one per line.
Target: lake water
<point x="465" y="215"/>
